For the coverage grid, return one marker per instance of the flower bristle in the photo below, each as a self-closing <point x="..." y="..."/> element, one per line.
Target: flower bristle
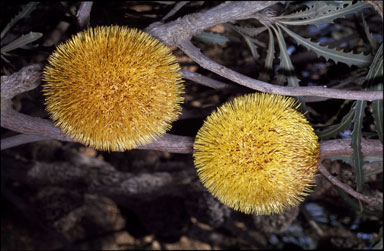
<point x="113" y="88"/>
<point x="257" y="154"/>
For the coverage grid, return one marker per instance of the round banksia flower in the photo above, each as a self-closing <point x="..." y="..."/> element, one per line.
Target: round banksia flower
<point x="113" y="88"/>
<point x="257" y="154"/>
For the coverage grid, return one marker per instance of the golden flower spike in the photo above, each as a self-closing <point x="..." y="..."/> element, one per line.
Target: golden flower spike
<point x="113" y="88"/>
<point x="257" y="154"/>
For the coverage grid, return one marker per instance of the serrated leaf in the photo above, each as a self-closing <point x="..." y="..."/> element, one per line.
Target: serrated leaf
<point x="328" y="17"/>
<point x="377" y="107"/>
<point x="357" y="158"/>
<point x="211" y="37"/>
<point x="376" y="72"/>
<point x="286" y="65"/>
<point x="316" y="8"/>
<point x="21" y="41"/>
<point x="252" y="47"/>
<point x="285" y="61"/>
<point x="371" y="41"/>
<point x="270" y="56"/>
<point x="27" y="9"/>
<point x="348" y="58"/>
<point x="332" y="131"/>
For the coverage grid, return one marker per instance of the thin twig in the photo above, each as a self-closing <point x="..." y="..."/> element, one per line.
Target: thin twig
<point x="20" y="140"/>
<point x="194" y="53"/>
<point x="84" y="13"/>
<point x="203" y="80"/>
<point x="367" y="199"/>
<point x="175" y="9"/>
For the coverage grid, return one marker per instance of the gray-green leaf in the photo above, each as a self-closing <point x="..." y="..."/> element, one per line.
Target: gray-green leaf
<point x="328" y="17"/>
<point x="252" y="46"/>
<point x="348" y="58"/>
<point x="27" y="9"/>
<point x="286" y="65"/>
<point x="21" y="41"/>
<point x="315" y="9"/>
<point x="376" y="72"/>
<point x="211" y="37"/>
<point x="357" y="157"/>
<point x="270" y="56"/>
<point x="332" y="131"/>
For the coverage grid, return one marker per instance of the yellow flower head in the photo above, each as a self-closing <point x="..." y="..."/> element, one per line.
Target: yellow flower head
<point x="257" y="154"/>
<point x="113" y="88"/>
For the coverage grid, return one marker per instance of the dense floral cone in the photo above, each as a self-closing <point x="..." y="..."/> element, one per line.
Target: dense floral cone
<point x="113" y="88"/>
<point x="257" y="154"/>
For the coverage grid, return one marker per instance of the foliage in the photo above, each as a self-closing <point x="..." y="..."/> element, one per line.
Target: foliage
<point x="23" y="40"/>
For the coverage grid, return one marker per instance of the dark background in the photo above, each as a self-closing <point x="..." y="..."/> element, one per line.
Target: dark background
<point x="50" y="199"/>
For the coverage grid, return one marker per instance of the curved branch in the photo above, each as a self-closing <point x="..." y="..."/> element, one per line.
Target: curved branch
<point x="175" y="9"/>
<point x="184" y="28"/>
<point x="203" y="80"/>
<point x="194" y="53"/>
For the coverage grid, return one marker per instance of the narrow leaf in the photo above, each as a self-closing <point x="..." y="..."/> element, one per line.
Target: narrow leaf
<point x="371" y="41"/>
<point x="285" y="61"/>
<point x="211" y="37"/>
<point x="286" y="65"/>
<point x="27" y="9"/>
<point x="330" y="16"/>
<point x="264" y="76"/>
<point x="258" y="42"/>
<point x="349" y="58"/>
<point x="376" y="72"/>
<point x="332" y="131"/>
<point x="252" y="47"/>
<point x="316" y="8"/>
<point x="21" y="41"/>
<point x="247" y="33"/>
<point x="357" y="158"/>
<point x="377" y="109"/>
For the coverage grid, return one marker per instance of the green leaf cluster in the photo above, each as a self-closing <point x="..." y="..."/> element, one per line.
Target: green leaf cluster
<point x="23" y="40"/>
